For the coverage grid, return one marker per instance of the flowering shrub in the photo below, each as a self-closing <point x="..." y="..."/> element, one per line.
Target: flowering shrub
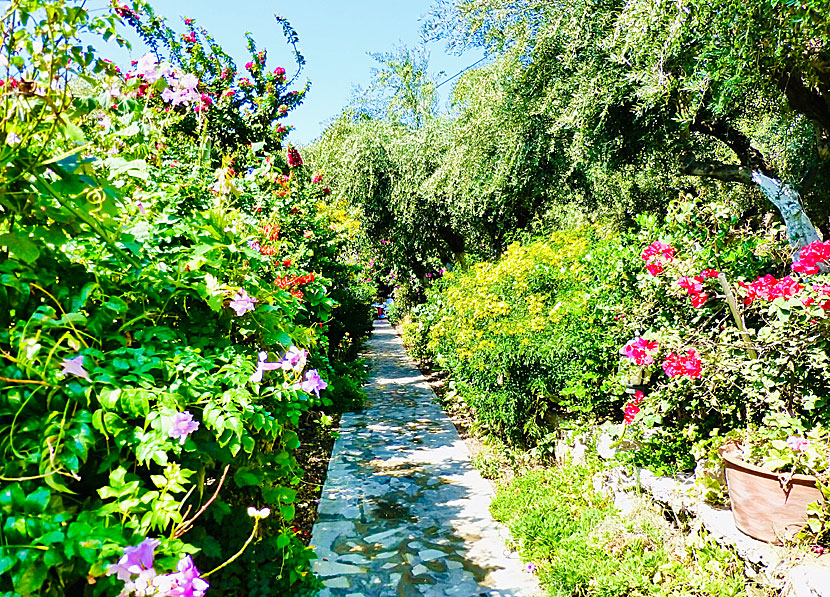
<point x="743" y="356"/>
<point x="153" y="373"/>
<point x="533" y="336"/>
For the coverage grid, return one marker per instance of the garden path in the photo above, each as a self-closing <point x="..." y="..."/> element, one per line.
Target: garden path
<point x="403" y="512"/>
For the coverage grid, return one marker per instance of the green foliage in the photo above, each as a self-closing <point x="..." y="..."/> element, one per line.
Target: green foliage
<point x="533" y="336"/>
<point x="124" y="252"/>
<point x="581" y="545"/>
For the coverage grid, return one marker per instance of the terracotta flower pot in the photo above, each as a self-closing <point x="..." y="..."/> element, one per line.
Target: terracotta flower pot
<point x="767" y="505"/>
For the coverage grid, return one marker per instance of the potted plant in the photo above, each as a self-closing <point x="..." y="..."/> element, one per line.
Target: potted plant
<point x="777" y="482"/>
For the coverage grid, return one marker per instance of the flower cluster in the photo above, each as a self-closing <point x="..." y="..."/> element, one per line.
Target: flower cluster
<point x="770" y="288"/>
<point x="181" y="88"/>
<point x="694" y="286"/>
<point x="688" y="364"/>
<point x="312" y="383"/>
<point x="811" y="257"/>
<point x="656" y="255"/>
<point x="294" y="158"/>
<point x="179" y="425"/>
<point x="640" y="350"/>
<point x="292" y="283"/>
<point x="135" y="568"/>
<point x="632" y="407"/>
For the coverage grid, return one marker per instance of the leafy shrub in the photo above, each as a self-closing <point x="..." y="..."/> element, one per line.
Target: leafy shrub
<point x="579" y="545"/>
<point x="153" y="290"/>
<point x="533" y="335"/>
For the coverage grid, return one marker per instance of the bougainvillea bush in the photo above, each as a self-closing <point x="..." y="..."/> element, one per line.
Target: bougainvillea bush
<point x="730" y="337"/>
<point x="165" y="316"/>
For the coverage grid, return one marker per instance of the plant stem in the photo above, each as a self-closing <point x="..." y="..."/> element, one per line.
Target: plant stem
<point x="736" y="315"/>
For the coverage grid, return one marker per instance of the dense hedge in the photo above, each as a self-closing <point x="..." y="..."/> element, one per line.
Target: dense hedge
<point x="165" y="320"/>
<point x="547" y="333"/>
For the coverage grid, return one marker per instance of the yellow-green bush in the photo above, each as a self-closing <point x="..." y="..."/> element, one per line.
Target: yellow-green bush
<point x="533" y="334"/>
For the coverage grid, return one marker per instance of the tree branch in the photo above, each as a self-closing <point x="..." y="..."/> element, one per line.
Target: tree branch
<point x="750" y="158"/>
<point x="717" y="170"/>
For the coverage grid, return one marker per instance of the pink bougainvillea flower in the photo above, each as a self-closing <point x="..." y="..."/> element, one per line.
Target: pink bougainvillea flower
<point x="317" y="178"/>
<point x="249" y="65"/>
<point x="699" y="299"/>
<point x="242" y="303"/>
<point x="640" y="350"/>
<point x="180" y="425"/>
<point x="811" y="257"/>
<point x="633" y="407"/>
<point x="312" y="383"/>
<point x="135" y="560"/>
<point x="74" y="366"/>
<point x="797" y="444"/>
<point x="677" y="365"/>
<point x="769" y="288"/>
<point x="656" y="255"/>
<point x="710" y="273"/>
<point x="691" y="285"/>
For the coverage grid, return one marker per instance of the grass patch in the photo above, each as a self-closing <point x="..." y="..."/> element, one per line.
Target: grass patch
<point x="582" y="546"/>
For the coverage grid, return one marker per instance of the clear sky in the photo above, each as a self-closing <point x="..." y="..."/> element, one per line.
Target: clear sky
<point x="335" y="36"/>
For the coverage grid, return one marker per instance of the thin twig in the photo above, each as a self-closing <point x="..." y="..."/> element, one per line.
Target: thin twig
<point x="186" y="525"/>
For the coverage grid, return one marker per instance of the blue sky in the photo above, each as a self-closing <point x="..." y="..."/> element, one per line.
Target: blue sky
<point x="335" y="37"/>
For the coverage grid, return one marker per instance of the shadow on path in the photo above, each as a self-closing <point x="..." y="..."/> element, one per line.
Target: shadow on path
<point x="403" y="512"/>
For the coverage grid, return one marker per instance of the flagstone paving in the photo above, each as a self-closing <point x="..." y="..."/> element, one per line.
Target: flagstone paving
<point x="403" y="512"/>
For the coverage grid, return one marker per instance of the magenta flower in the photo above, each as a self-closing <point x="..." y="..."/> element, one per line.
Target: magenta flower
<point x="135" y="560"/>
<point x="312" y="383"/>
<point x="75" y="367"/>
<point x="640" y="350"/>
<point x="242" y="303"/>
<point x="295" y="358"/>
<point x="677" y="365"/>
<point x="530" y="568"/>
<point x="262" y="366"/>
<point x="180" y="425"/>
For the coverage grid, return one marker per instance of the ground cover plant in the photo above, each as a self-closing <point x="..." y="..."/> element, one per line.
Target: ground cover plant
<point x="579" y="543"/>
<point x="168" y="281"/>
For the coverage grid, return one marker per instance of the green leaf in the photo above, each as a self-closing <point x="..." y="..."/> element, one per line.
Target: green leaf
<point x="246" y="478"/>
<point x="38" y="500"/>
<point x="20" y="246"/>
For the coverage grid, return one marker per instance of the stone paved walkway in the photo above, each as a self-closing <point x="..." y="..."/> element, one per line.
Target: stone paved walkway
<point x="403" y="512"/>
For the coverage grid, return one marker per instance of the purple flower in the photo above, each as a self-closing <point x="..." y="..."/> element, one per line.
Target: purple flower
<point x="75" y="367"/>
<point x="312" y="383"/>
<point x="262" y="366"/>
<point x="180" y="425"/>
<point x="254" y="245"/>
<point x="295" y="358"/>
<point x="242" y="303"/>
<point x="135" y="560"/>
<point x="146" y="67"/>
<point x="530" y="568"/>
<point x="185" y="583"/>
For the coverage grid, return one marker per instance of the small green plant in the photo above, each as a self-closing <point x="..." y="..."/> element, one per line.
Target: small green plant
<point x="579" y="544"/>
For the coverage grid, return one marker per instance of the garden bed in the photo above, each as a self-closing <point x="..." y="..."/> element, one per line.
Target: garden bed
<point x="791" y="570"/>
